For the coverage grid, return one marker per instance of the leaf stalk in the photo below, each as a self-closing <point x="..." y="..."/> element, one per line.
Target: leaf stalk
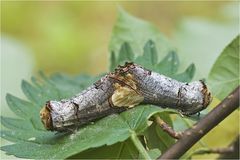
<point x="139" y="146"/>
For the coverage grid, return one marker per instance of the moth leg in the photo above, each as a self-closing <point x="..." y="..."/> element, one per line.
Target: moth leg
<point x="71" y="129"/>
<point x="181" y="113"/>
<point x="198" y="114"/>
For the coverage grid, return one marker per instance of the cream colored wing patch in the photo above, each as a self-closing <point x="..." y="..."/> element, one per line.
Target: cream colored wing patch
<point x="124" y="96"/>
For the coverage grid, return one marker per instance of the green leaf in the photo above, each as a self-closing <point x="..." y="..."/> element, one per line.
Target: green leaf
<point x="16" y="124"/>
<point x="154" y="154"/>
<point x="30" y="150"/>
<point x="137" y="118"/>
<point x="36" y="122"/>
<point x="150" y="52"/>
<point x="113" y="62"/>
<point x="187" y="75"/>
<point x="137" y="32"/>
<point x="156" y="45"/>
<point x="120" y="150"/>
<point x="201" y="41"/>
<point x="20" y="107"/>
<point x="169" y="65"/>
<point x="224" y="75"/>
<point x="139" y="146"/>
<point x="41" y="137"/>
<point x="32" y="93"/>
<point x="68" y="86"/>
<point x="152" y="137"/>
<point x="126" y="53"/>
<point x="107" y="131"/>
<point x="149" y="58"/>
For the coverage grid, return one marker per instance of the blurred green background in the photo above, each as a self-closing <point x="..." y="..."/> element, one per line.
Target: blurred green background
<point x="73" y="37"/>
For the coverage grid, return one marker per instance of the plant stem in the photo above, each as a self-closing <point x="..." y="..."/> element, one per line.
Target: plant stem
<point x="197" y="131"/>
<point x="189" y="124"/>
<point x="139" y="146"/>
<point x="168" y="129"/>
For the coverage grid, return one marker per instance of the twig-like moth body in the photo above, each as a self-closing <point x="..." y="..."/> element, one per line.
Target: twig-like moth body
<point x="125" y="88"/>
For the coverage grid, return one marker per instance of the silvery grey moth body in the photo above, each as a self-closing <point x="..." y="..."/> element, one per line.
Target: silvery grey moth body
<point x="126" y="87"/>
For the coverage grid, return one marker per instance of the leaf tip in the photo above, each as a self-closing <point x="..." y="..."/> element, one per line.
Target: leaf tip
<point x="120" y="10"/>
<point x="9" y="98"/>
<point x="192" y="68"/>
<point x="8" y="95"/>
<point x="24" y="83"/>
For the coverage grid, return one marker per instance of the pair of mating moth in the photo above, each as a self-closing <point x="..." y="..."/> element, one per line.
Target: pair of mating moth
<point x="126" y="87"/>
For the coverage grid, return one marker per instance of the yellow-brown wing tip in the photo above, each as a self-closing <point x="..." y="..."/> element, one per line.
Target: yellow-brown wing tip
<point x="46" y="119"/>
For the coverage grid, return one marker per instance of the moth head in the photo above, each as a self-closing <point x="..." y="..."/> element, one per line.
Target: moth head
<point x="205" y="97"/>
<point x="45" y="115"/>
<point x="58" y="115"/>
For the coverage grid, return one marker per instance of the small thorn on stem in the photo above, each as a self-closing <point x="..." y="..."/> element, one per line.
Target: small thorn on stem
<point x="168" y="129"/>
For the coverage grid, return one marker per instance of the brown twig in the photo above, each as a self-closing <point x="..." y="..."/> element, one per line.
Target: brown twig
<point x="194" y="134"/>
<point x="225" y="150"/>
<point x="230" y="152"/>
<point x="166" y="128"/>
<point x="235" y="151"/>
